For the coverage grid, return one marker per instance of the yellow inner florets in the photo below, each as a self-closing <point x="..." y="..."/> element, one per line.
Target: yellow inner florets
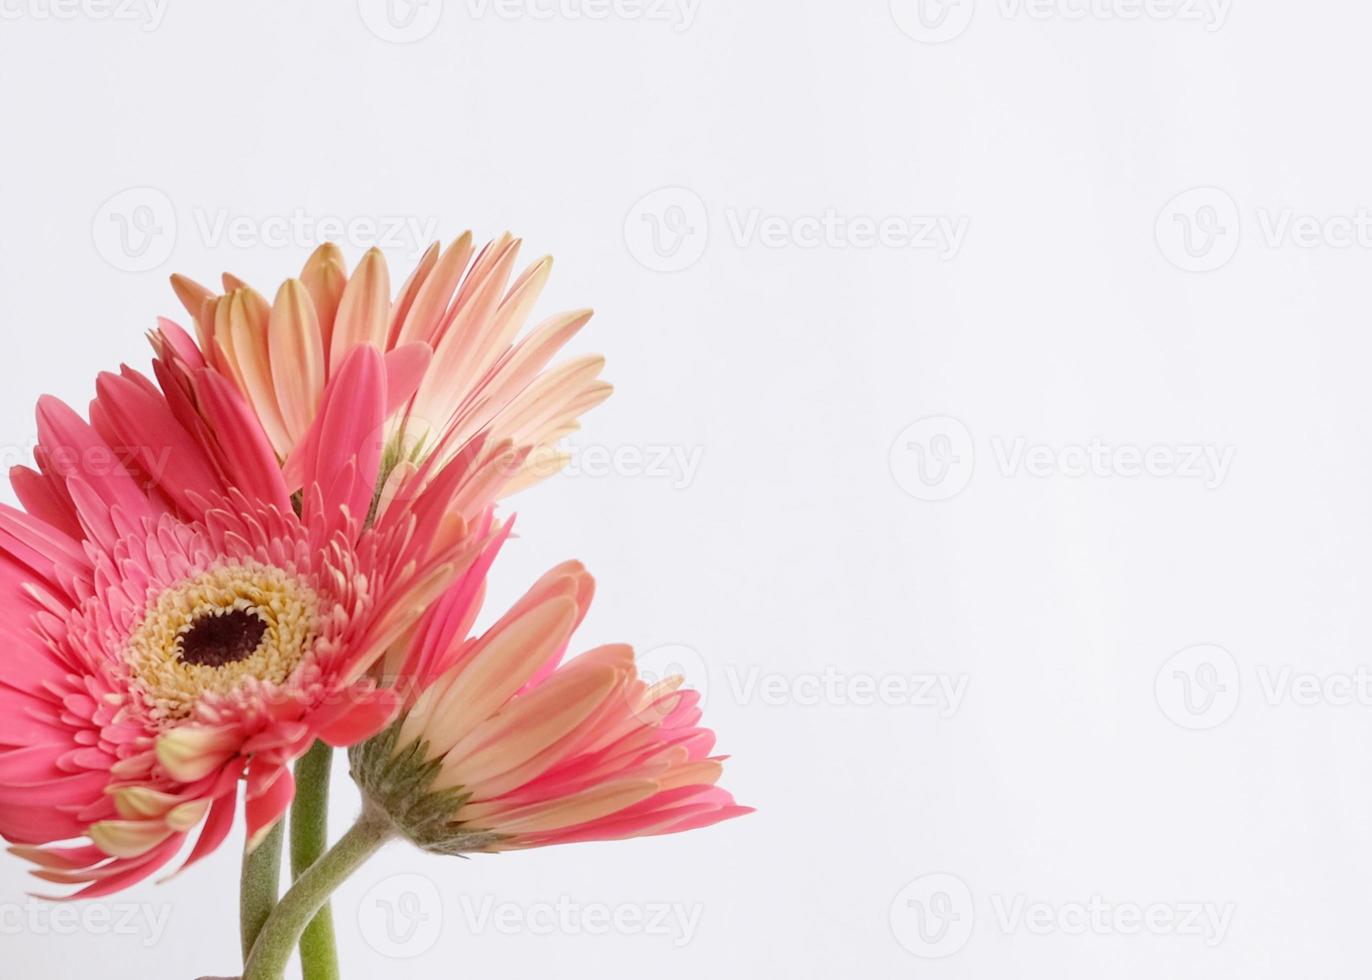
<point x="212" y="632"/>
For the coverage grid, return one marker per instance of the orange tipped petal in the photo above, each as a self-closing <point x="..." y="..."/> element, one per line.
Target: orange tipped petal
<point x="191" y="294"/>
<point x="325" y="276"/>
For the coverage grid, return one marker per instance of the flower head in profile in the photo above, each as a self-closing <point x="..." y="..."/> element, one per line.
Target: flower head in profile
<point x="179" y="617"/>
<point x="509" y="747"/>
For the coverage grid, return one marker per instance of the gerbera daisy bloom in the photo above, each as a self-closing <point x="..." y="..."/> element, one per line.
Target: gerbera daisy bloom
<point x="484" y="383"/>
<point x="179" y="617"/>
<point x="506" y="747"/>
<point x="283" y="543"/>
<point x="509" y="747"/>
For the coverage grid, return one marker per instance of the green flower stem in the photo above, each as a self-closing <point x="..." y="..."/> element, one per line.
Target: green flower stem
<point x="309" y="838"/>
<point x="308" y="895"/>
<point x="258" y="888"/>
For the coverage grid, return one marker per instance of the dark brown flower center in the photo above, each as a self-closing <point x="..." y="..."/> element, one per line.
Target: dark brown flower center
<point x="216" y="639"/>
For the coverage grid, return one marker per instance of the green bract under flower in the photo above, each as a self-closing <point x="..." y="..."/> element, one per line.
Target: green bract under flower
<point x="400" y="786"/>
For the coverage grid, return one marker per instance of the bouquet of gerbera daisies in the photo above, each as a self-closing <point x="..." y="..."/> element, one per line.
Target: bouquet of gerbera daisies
<point x="276" y="545"/>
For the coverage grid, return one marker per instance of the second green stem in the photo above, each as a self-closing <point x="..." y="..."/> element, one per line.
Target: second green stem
<point x="309" y="839"/>
<point x="308" y="895"/>
<point x="260" y="883"/>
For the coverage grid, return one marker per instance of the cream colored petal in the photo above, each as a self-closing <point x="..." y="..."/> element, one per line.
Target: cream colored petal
<point x="486" y="483"/>
<point x="404" y="299"/>
<point x="527" y="726"/>
<point x="185" y="817"/>
<point x="493" y="255"/>
<point x="128" y="838"/>
<point x="204" y="330"/>
<point x="296" y="349"/>
<point x="539" y="467"/>
<point x="363" y="310"/>
<point x="511" y="314"/>
<point x="590" y="804"/>
<point x="518" y="369"/>
<point x="134" y="802"/>
<point x="452" y="374"/>
<point x="249" y="317"/>
<point x="191" y="753"/>
<point x="504" y="660"/>
<point x="425" y="316"/>
<point x="223" y="344"/>
<point x="548" y="399"/>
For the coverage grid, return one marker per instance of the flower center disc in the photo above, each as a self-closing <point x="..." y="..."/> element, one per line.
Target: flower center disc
<point x="208" y="635"/>
<point x="222" y="638"/>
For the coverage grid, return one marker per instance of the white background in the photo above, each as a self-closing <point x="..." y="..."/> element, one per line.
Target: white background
<point x="1089" y="314"/>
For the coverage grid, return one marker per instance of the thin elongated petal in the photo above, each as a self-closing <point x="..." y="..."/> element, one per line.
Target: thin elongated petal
<point x="248" y="324"/>
<point x="363" y="310"/>
<point x="325" y="276"/>
<point x="296" y="349"/>
<point x="424" y="317"/>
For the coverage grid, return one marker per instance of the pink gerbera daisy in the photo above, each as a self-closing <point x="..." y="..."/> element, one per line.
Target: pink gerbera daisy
<point x="178" y="616"/>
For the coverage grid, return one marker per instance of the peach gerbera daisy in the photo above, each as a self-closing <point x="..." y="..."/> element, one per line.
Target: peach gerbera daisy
<point x="486" y="382"/>
<point x="508" y="747"/>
